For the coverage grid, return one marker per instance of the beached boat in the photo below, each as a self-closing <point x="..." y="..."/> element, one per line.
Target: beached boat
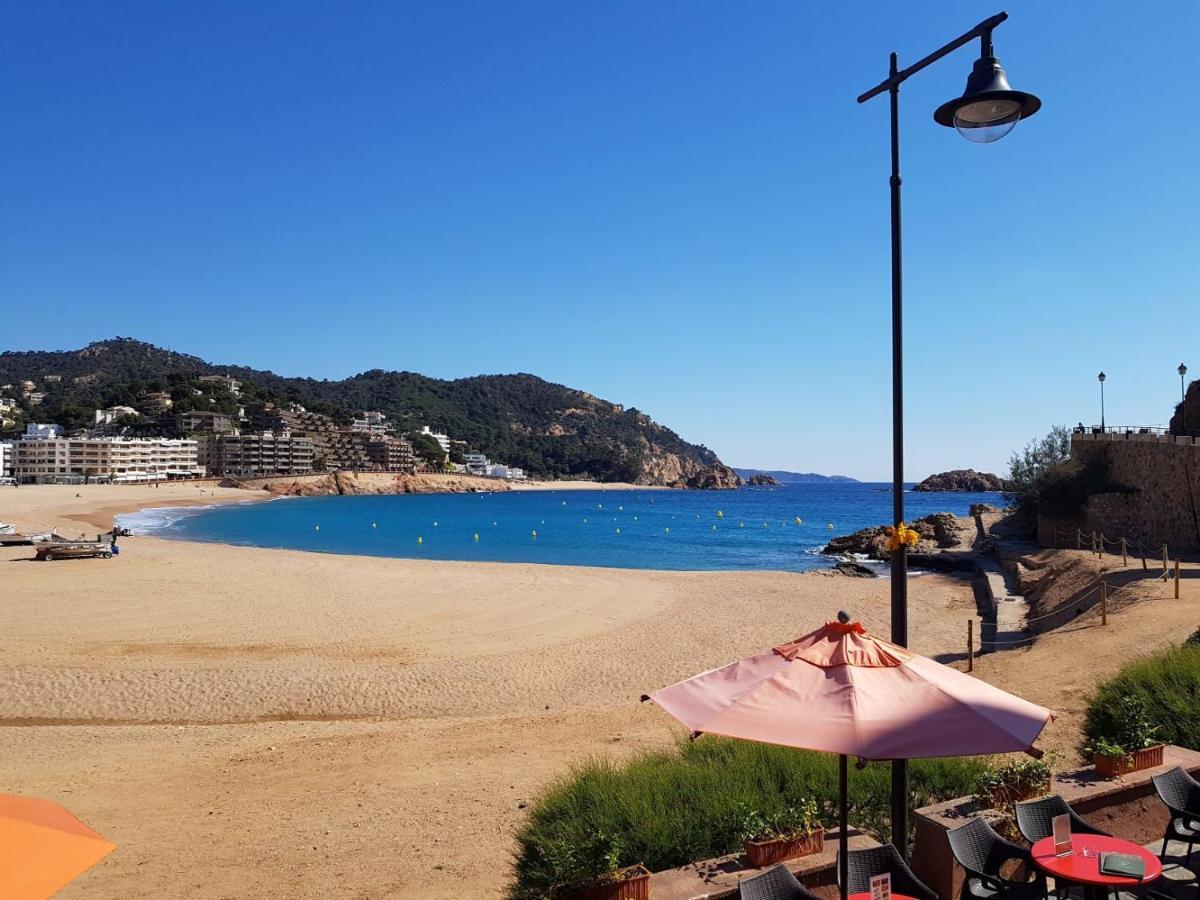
<point x="59" y="548"/>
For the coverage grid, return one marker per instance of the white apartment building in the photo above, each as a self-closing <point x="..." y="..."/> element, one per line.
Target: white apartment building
<point x="6" y="459"/>
<point x="230" y="383"/>
<point x="110" y="415"/>
<point x="37" y="431"/>
<point x="374" y="422"/>
<point x="476" y="463"/>
<point x="41" y="460"/>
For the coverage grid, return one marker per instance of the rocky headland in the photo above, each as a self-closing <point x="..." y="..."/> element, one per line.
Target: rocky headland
<point x="963" y="481"/>
<point x="761" y="479"/>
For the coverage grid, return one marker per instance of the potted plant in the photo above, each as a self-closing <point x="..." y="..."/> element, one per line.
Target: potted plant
<point x="1013" y="781"/>
<point x="1133" y="747"/>
<point x="790" y="832"/>
<point x="592" y="871"/>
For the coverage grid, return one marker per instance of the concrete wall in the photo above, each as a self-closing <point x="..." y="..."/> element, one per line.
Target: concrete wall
<point x="1163" y="506"/>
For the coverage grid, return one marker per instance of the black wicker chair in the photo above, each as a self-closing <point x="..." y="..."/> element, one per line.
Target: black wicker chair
<point x="1035" y="819"/>
<point x="774" y="884"/>
<point x="862" y="865"/>
<point x="1180" y="792"/>
<point x="982" y="852"/>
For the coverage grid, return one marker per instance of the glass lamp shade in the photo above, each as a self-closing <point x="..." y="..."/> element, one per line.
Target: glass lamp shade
<point x="988" y="109"/>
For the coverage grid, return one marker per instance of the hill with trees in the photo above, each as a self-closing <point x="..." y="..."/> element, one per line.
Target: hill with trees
<point x="548" y="429"/>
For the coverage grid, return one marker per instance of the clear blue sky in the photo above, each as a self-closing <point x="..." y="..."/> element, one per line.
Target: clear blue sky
<point x="677" y="206"/>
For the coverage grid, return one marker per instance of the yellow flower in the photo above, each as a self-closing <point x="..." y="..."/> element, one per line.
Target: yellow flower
<point x="901" y="536"/>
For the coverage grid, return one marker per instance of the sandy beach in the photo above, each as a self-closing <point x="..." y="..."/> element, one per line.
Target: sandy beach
<point x="364" y="727"/>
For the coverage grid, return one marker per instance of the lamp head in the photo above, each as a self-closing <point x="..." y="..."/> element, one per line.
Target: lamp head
<point x="1182" y="370"/>
<point x="1101" y="377"/>
<point x="988" y="109"/>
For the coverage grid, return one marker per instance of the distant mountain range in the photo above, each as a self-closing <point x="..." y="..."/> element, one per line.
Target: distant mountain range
<point x="784" y="477"/>
<point x="547" y="429"/>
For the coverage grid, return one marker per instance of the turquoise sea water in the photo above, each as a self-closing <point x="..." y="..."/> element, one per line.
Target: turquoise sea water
<point x="752" y="528"/>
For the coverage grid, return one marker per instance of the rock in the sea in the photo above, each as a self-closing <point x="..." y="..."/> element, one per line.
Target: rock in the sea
<point x="759" y="479"/>
<point x="713" y="478"/>
<point x="938" y="530"/>
<point x="963" y="480"/>
<point x="854" y="570"/>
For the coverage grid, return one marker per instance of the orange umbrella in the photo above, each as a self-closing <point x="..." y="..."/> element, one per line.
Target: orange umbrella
<point x="43" y="847"/>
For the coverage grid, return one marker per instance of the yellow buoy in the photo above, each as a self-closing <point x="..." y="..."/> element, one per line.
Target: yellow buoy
<point x="533" y="534"/>
<point x="798" y="520"/>
<point x="420" y="540"/>
<point x="373" y="525"/>
<point x="317" y="527"/>
<point x="765" y="525"/>
<point x="741" y="524"/>
<point x="618" y="531"/>
<point x="720" y="515"/>
<point x="635" y="518"/>
<point x="435" y="524"/>
<point x="477" y="537"/>
<point x="667" y="530"/>
<point x="714" y="528"/>
<point x="830" y="526"/>
<point x="585" y="520"/>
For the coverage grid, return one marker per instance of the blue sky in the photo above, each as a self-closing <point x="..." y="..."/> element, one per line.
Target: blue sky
<point x="677" y="206"/>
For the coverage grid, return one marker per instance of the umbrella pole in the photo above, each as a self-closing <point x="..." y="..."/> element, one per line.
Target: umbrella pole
<point x="843" y="821"/>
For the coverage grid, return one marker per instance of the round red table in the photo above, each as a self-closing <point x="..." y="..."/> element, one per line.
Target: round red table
<point x="1085" y="870"/>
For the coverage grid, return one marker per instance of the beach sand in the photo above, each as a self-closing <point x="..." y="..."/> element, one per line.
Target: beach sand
<point x="246" y="722"/>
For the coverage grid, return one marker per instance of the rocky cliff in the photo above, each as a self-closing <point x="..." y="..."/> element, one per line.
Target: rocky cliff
<point x="962" y="480"/>
<point x="937" y="531"/>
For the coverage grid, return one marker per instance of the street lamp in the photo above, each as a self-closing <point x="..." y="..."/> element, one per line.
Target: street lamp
<point x="1182" y="392"/>
<point x="987" y="111"/>
<point x="1101" y="378"/>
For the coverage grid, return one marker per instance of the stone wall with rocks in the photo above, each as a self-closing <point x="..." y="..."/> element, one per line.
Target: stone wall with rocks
<point x="1162" y="506"/>
<point x="1187" y="414"/>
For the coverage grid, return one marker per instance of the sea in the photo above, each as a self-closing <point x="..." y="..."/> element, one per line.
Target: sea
<point x="776" y="528"/>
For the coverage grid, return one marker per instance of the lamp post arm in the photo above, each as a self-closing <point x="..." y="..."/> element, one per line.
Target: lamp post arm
<point x="982" y="30"/>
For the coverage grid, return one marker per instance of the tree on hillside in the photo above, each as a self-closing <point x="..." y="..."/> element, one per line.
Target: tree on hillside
<point x="1044" y="480"/>
<point x="427" y="449"/>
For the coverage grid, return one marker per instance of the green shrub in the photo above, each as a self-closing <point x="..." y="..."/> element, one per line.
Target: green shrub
<point x="1156" y="698"/>
<point x="671" y="807"/>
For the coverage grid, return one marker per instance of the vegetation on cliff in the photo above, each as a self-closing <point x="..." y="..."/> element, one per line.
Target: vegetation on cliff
<point x="548" y="429"/>
<point x="1043" y="480"/>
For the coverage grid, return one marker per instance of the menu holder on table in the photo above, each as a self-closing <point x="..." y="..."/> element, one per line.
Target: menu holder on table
<point x="1123" y="865"/>
<point x="881" y="887"/>
<point x="1062" y="835"/>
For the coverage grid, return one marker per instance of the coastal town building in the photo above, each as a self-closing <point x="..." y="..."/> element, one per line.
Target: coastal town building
<point x="257" y="454"/>
<point x="203" y="420"/>
<point x="6" y="459"/>
<point x="375" y="422"/>
<point x="55" y="459"/>
<point x="390" y="454"/>
<point x="110" y="415"/>
<point x="40" y="431"/>
<point x="475" y="462"/>
<point x="442" y="439"/>
<point x="35" y="398"/>
<point x="7" y="404"/>
<point x="156" y="402"/>
<point x="229" y="383"/>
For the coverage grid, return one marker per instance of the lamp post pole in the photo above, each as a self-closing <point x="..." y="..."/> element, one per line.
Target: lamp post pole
<point x="1182" y="391"/>
<point x="1101" y="378"/>
<point x="987" y="111"/>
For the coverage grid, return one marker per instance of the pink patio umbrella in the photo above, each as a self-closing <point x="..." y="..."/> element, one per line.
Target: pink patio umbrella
<point x="844" y="691"/>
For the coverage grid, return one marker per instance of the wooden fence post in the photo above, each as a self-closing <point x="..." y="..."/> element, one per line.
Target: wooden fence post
<point x="1078" y="539"/>
<point x="1145" y="565"/>
<point x="1104" y="603"/>
<point x="1176" y="579"/>
<point x="970" y="645"/>
<point x="1100" y="543"/>
<point x="1124" y="554"/>
<point x="1166" y="564"/>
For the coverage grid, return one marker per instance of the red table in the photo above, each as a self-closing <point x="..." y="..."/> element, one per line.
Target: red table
<point x="1085" y="870"/>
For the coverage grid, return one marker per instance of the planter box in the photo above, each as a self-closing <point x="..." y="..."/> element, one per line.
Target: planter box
<point x="1114" y="766"/>
<point x="1005" y="796"/>
<point x="767" y="853"/>
<point x="628" y="884"/>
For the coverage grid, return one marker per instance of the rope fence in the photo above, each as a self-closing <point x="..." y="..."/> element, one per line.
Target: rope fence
<point x="1107" y="592"/>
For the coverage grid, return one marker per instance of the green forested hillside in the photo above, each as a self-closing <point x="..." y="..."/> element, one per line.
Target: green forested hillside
<point x="548" y="429"/>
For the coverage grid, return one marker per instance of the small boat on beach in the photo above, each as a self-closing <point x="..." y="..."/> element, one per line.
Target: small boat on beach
<point x="57" y="547"/>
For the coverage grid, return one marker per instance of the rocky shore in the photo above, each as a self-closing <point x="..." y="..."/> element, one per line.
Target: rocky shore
<point x="938" y="531"/>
